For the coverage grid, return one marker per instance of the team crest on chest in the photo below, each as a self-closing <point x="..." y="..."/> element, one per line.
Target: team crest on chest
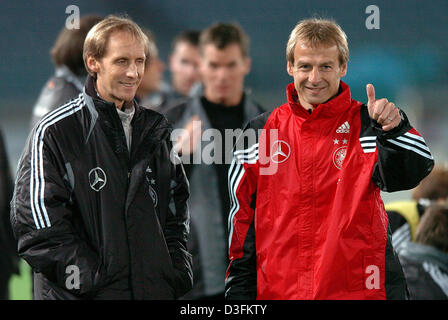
<point x="339" y="156"/>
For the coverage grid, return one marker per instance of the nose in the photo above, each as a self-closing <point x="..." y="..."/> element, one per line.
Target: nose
<point x="314" y="75"/>
<point x="192" y="69"/>
<point x="132" y="71"/>
<point x="222" y="74"/>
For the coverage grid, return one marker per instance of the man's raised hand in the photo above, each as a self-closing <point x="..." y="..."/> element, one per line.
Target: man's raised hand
<point x="382" y="111"/>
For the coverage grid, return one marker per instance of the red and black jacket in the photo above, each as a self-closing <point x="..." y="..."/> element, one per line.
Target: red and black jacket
<point x="307" y="220"/>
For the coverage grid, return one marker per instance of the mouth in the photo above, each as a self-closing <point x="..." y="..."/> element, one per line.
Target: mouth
<point x="222" y="88"/>
<point x="128" y="84"/>
<point x="314" y="90"/>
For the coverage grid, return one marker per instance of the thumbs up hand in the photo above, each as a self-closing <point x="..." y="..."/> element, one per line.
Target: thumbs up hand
<point x="382" y="111"/>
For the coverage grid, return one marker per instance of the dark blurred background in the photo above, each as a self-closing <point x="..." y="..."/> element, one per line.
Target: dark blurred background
<point x="406" y="59"/>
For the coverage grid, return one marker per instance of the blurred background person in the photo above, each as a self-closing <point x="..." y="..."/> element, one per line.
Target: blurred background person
<point x="149" y="93"/>
<point x="223" y="104"/>
<point x="69" y="76"/>
<point x="8" y="245"/>
<point x="404" y="216"/>
<point x="184" y="64"/>
<point x="157" y="94"/>
<point x="425" y="261"/>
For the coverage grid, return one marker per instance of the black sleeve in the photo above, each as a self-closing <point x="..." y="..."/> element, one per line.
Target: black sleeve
<point x="177" y="226"/>
<point x="404" y="159"/>
<point x="241" y="282"/>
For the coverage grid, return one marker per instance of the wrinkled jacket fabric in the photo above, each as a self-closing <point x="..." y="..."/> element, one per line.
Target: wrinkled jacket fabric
<point x="83" y="202"/>
<point x="307" y="220"/>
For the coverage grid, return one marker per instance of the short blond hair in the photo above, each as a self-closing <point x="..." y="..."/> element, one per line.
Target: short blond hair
<point x="316" y="32"/>
<point x="97" y="39"/>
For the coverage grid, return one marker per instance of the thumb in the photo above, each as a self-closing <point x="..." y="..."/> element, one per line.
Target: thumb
<point x="370" y="94"/>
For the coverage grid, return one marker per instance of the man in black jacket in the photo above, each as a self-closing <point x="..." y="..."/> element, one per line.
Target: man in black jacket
<point x="99" y="209"/>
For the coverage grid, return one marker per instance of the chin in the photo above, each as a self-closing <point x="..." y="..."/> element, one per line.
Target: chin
<point x="129" y="96"/>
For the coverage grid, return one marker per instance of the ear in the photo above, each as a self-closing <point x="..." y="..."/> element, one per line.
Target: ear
<point x="290" y="69"/>
<point x="343" y="70"/>
<point x="93" y="64"/>
<point x="247" y="64"/>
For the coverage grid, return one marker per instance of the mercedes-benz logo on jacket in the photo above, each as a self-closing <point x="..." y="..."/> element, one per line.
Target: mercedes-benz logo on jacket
<point x="280" y="151"/>
<point x="97" y="179"/>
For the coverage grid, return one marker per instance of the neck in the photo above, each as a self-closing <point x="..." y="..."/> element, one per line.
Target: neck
<point x="307" y="106"/>
<point x="225" y="101"/>
<point x="178" y="89"/>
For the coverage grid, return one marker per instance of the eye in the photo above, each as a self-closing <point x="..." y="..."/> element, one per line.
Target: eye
<point x="326" y="68"/>
<point x="184" y="62"/>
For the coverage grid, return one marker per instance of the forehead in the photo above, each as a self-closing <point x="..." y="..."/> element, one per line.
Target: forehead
<point x="303" y="51"/>
<point x="230" y="52"/>
<point x="122" y="43"/>
<point x="184" y="46"/>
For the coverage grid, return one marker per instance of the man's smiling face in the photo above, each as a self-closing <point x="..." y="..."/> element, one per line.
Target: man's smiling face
<point x="120" y="70"/>
<point x="317" y="73"/>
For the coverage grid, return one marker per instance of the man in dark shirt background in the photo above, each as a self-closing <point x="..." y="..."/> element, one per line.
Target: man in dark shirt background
<point x="224" y="104"/>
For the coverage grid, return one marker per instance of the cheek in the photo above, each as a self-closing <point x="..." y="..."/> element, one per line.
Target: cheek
<point x="209" y="76"/>
<point x="300" y="80"/>
<point x="141" y="69"/>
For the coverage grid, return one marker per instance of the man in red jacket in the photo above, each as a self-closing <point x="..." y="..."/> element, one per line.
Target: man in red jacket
<point x="306" y="219"/>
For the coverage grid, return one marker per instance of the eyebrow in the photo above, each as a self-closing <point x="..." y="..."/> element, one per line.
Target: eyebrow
<point x="128" y="58"/>
<point x="323" y="63"/>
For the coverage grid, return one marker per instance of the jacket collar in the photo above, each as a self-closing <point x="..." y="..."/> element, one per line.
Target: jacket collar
<point x="334" y="106"/>
<point x="102" y="105"/>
